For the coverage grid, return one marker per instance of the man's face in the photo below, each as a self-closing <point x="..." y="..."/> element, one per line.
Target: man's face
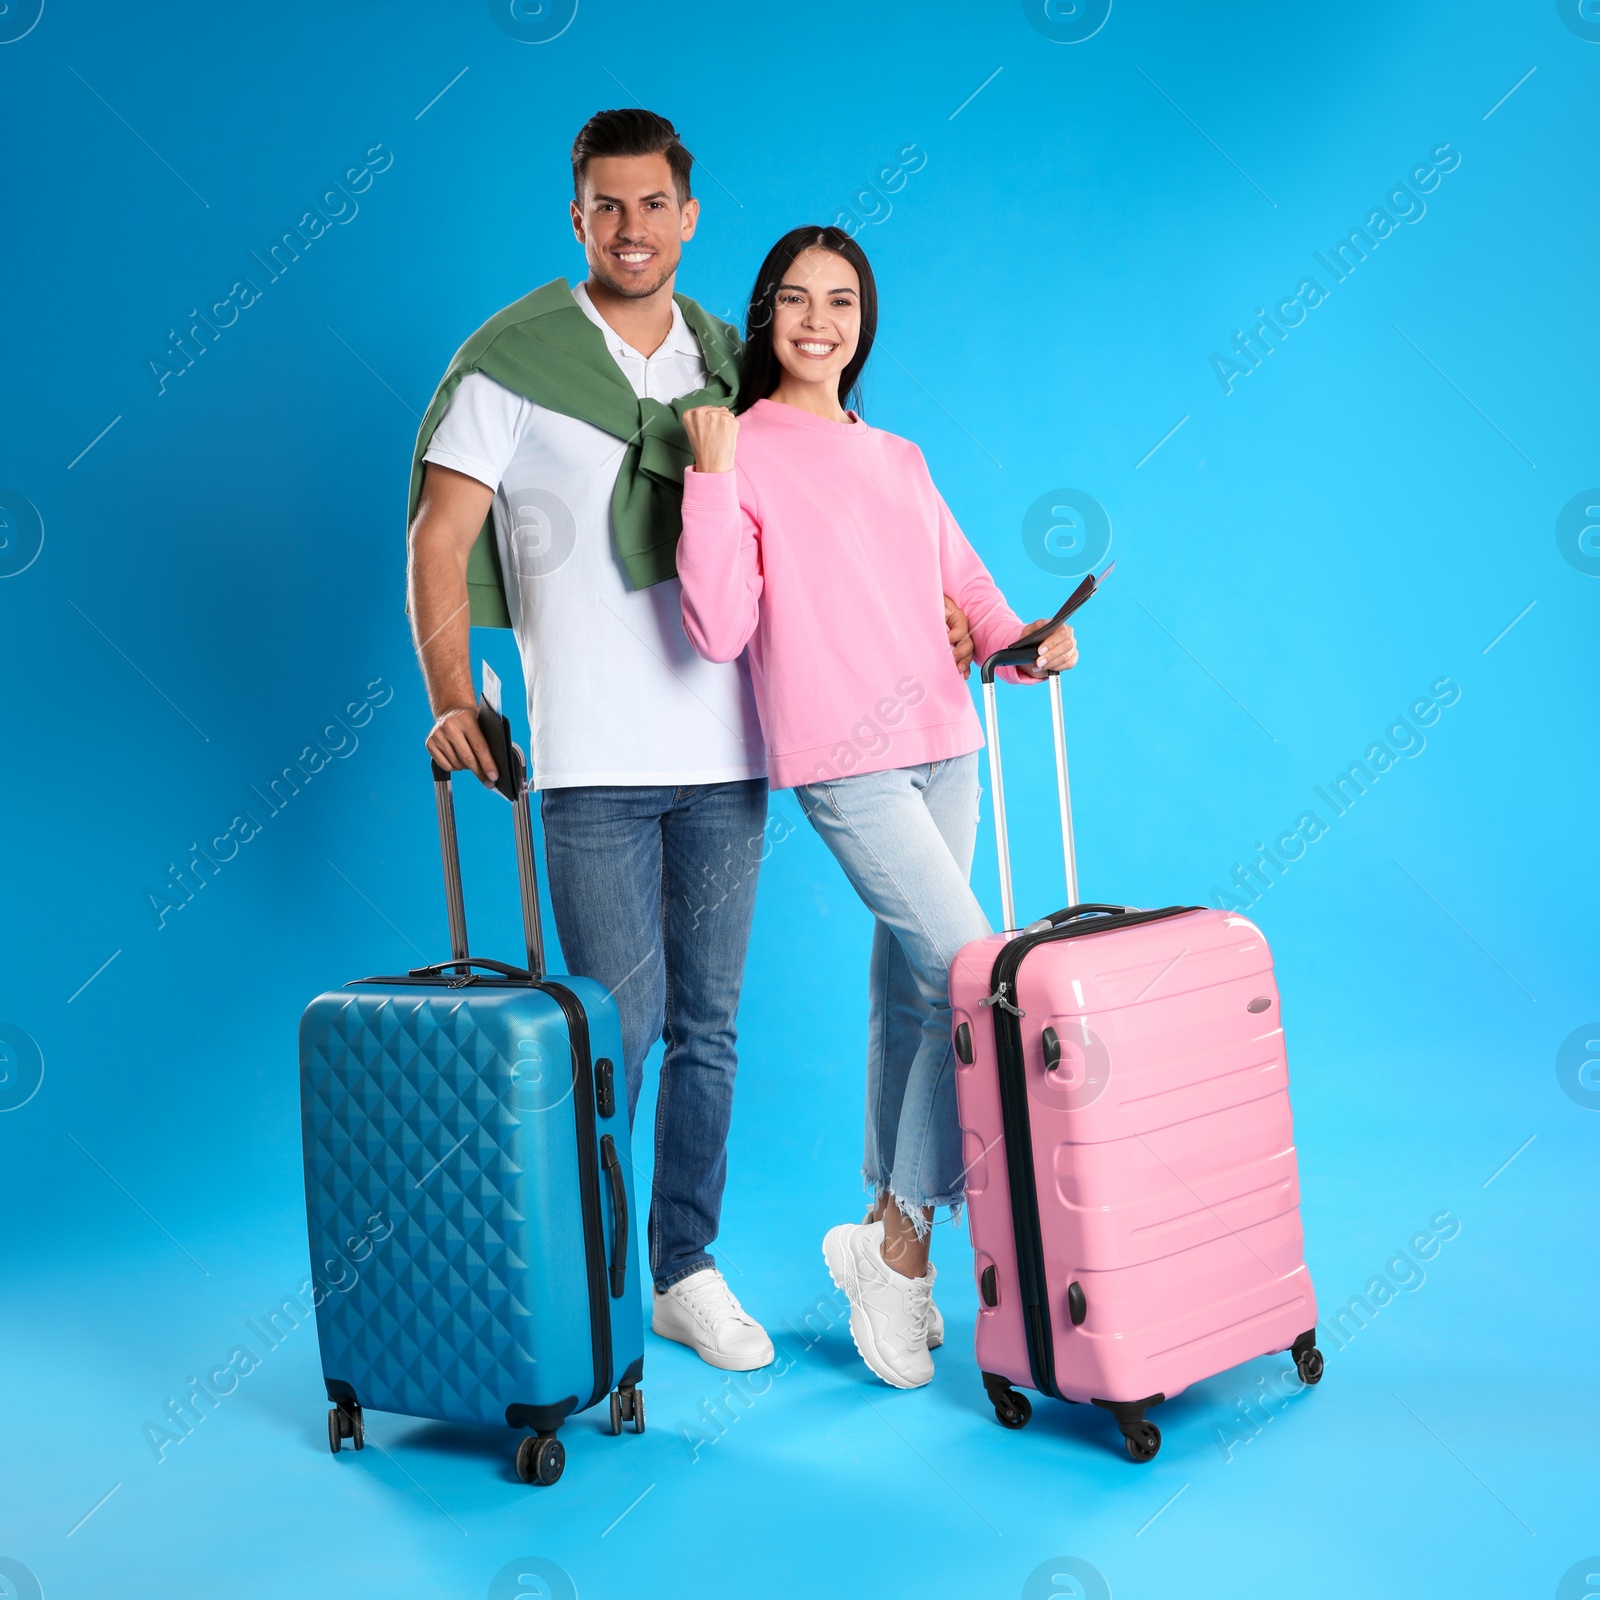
<point x="630" y="223"/>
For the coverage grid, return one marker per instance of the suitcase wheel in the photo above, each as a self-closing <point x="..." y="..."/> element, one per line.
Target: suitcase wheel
<point x="1307" y="1358"/>
<point x="541" y="1459"/>
<point x="627" y="1404"/>
<point x="346" y="1424"/>
<point x="1012" y="1409"/>
<point x="1143" y="1439"/>
<point x="1308" y="1363"/>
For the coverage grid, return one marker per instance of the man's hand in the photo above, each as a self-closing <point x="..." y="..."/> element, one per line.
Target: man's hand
<point x="713" y="431"/>
<point x="1058" y="651"/>
<point x="961" y="646"/>
<point x="457" y="744"/>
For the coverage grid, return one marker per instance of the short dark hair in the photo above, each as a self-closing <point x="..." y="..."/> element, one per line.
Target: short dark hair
<point x="761" y="369"/>
<point x="630" y="132"/>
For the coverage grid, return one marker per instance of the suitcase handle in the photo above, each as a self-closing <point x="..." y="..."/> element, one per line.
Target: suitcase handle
<point x="619" y="1215"/>
<point x="1058" y="919"/>
<point x="433" y="971"/>
<point x="1026" y="649"/>
<point x="497" y="729"/>
<point x="1023" y="653"/>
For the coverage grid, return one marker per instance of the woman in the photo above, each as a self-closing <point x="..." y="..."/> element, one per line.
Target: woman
<point x="821" y="544"/>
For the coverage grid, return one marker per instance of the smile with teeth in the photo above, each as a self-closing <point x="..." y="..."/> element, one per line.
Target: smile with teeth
<point x="634" y="258"/>
<point x="813" y="347"/>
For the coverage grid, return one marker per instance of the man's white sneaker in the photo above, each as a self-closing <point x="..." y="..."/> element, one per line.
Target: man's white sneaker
<point x="935" y="1320"/>
<point x="702" y="1312"/>
<point x="888" y="1312"/>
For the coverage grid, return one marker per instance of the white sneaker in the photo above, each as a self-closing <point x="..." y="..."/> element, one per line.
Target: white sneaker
<point x="935" y="1320"/>
<point x="888" y="1312"/>
<point x="702" y="1312"/>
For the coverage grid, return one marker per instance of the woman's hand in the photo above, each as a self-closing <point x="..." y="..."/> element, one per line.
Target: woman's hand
<point x="713" y="431"/>
<point x="1058" y="651"/>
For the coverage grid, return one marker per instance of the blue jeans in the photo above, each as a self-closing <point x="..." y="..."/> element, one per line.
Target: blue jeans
<point x="904" y="838"/>
<point x="653" y="890"/>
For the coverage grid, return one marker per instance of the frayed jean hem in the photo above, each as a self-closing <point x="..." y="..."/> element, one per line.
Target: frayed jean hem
<point x="911" y="1207"/>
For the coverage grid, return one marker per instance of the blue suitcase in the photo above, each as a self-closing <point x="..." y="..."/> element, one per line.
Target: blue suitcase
<point x="469" y="1184"/>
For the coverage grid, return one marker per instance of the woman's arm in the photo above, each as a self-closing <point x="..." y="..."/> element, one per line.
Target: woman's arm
<point x="719" y="557"/>
<point x="993" y="623"/>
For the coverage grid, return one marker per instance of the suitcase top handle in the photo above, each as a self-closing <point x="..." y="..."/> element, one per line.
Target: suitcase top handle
<point x="1023" y="653"/>
<point x="439" y="968"/>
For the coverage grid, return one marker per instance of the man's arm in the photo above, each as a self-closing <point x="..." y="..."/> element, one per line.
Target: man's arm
<point x="956" y="625"/>
<point x="449" y="516"/>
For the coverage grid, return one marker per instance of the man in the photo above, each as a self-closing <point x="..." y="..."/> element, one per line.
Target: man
<point x="560" y="420"/>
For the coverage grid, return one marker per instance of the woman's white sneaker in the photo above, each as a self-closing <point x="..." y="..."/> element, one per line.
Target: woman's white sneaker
<point x="702" y="1312"/>
<point x="888" y="1312"/>
<point x="935" y="1319"/>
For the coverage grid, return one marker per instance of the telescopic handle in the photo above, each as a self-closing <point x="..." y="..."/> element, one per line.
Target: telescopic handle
<point x="527" y="866"/>
<point x="450" y="850"/>
<point x="1024" y="653"/>
<point x="1008" y="910"/>
<point x="527" y="870"/>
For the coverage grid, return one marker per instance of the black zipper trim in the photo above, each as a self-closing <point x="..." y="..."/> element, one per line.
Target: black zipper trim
<point x="594" y="1241"/>
<point x="1017" y="1129"/>
<point x="583" y="1102"/>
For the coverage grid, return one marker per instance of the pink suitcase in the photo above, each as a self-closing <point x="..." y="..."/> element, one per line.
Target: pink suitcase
<point x="1132" y="1191"/>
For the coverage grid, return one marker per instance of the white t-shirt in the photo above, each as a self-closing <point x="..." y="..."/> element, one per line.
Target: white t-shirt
<point x="616" y="693"/>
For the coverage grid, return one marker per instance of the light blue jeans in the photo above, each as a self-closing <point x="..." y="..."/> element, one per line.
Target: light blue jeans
<point x="904" y="838"/>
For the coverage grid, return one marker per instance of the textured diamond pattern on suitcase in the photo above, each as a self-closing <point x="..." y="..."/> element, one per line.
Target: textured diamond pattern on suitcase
<point x="408" y="1110"/>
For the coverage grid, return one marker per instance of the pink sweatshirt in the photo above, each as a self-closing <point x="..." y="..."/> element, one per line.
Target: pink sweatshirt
<point x="828" y="552"/>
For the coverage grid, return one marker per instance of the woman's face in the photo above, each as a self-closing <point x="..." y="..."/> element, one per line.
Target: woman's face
<point x="816" y="318"/>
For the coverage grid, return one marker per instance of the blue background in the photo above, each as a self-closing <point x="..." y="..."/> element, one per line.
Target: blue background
<point x="1366" y="512"/>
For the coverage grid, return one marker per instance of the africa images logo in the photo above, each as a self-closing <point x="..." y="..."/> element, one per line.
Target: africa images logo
<point x="21" y="1067"/>
<point x="17" y="21"/>
<point x="1578" y="1066"/>
<point x="1066" y="532"/>
<point x="17" y="1582"/>
<point x="533" y="21"/>
<point x="532" y="1578"/>
<point x="1582" y="16"/>
<point x="1067" y="21"/>
<point x="21" y="529"/>
<point x="1577" y="529"/>
<point x="1066" y="1578"/>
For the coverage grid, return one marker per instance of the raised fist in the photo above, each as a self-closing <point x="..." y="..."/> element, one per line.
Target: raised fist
<point x="713" y="432"/>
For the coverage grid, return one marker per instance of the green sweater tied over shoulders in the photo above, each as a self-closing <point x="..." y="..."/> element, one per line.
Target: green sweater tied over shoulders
<point x="545" y="349"/>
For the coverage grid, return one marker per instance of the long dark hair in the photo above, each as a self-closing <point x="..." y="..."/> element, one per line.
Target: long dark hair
<point x="761" y="369"/>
